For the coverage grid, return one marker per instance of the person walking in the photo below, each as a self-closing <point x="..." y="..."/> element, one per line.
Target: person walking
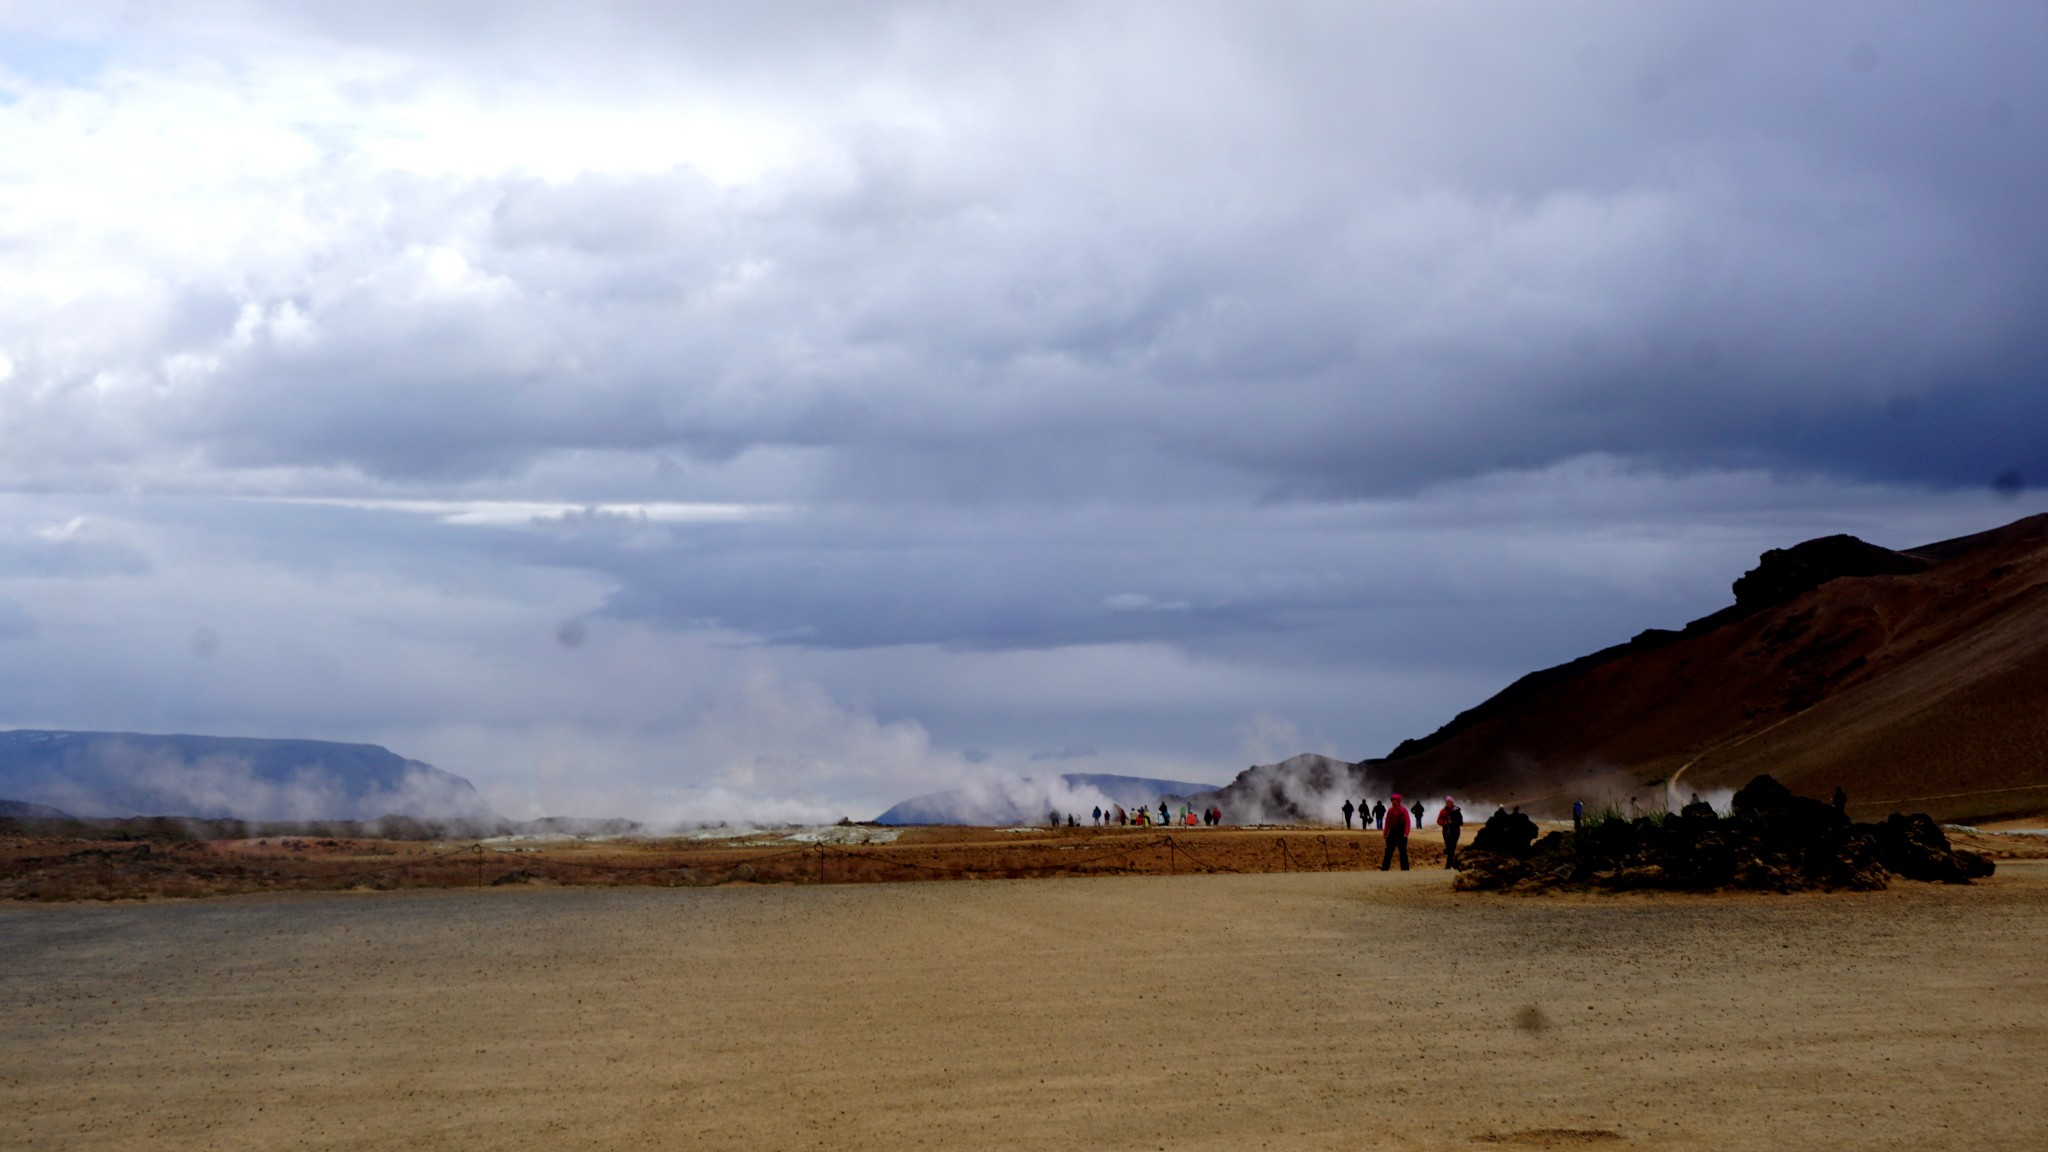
<point x="1347" y="814"/>
<point x="1397" y="830"/>
<point x="1452" y="821"/>
<point x="1379" y="814"/>
<point x="1417" y="810"/>
<point x="1098" y="815"/>
<point x="1578" y="814"/>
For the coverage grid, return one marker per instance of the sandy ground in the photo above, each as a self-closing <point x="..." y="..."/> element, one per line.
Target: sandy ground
<point x="1314" y="1010"/>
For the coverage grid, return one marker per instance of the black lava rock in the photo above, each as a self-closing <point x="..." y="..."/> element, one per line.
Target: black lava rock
<point x="1775" y="841"/>
<point x="1505" y="832"/>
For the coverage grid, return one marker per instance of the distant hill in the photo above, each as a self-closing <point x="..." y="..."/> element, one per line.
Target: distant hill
<point x="112" y="774"/>
<point x="22" y="810"/>
<point x="1031" y="799"/>
<point x="1304" y="789"/>
<point x="1915" y="680"/>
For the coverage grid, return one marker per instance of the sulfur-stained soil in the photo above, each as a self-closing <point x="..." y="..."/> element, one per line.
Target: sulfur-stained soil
<point x="52" y="868"/>
<point x="1210" y="1011"/>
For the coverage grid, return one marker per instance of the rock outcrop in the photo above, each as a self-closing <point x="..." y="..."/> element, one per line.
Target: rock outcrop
<point x="1772" y="840"/>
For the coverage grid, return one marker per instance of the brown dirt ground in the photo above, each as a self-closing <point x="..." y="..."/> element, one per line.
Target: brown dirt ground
<point x="1308" y="1010"/>
<point x="47" y="868"/>
<point x="52" y="869"/>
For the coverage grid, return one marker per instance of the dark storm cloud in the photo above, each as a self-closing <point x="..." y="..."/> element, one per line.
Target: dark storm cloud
<point x="1085" y="376"/>
<point x="1300" y="252"/>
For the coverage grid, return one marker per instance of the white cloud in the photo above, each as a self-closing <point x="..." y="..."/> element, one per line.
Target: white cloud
<point x="875" y="382"/>
<point x="503" y="513"/>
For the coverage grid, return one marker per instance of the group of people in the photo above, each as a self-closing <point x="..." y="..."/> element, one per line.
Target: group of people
<point x="1389" y="817"/>
<point x="1398" y="823"/>
<point x="1141" y="817"/>
<point x="1375" y="818"/>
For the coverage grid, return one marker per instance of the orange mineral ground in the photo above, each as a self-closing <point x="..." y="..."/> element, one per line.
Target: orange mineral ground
<point x="1300" y="1010"/>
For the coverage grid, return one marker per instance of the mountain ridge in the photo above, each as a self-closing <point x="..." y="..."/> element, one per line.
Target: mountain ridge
<point x="1914" y="677"/>
<point x="125" y="774"/>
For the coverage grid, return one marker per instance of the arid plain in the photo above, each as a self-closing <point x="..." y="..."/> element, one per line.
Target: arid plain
<point x="1306" y="1010"/>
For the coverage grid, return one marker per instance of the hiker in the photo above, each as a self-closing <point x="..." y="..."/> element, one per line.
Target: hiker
<point x="1071" y="822"/>
<point x="1578" y="814"/>
<point x="1098" y="815"/>
<point x="1418" y="814"/>
<point x="1164" y="816"/>
<point x="1452" y="822"/>
<point x="1379" y="814"/>
<point x="1397" y="834"/>
<point x="1347" y="814"/>
<point x="1055" y="819"/>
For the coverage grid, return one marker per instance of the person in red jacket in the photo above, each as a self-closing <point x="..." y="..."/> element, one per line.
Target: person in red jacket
<point x="1397" y="835"/>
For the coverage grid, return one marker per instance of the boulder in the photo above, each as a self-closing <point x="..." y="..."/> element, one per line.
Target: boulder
<point x="1915" y="847"/>
<point x="1505" y="832"/>
<point x="1774" y="842"/>
<point x="1851" y="859"/>
<point x="1483" y="871"/>
<point x="1785" y="822"/>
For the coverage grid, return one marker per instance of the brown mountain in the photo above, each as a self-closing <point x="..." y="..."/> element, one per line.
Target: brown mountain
<point x="1910" y="679"/>
<point x="1914" y="680"/>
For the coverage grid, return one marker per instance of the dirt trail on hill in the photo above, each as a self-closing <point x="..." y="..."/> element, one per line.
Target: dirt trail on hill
<point x="1227" y="1012"/>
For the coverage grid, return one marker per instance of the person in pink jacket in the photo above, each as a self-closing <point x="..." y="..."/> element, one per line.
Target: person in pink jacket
<point x="1397" y="834"/>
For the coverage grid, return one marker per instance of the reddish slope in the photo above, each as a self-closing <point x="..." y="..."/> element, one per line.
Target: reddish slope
<point x="1924" y="687"/>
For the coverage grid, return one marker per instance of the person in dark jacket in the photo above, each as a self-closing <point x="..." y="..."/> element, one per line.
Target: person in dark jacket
<point x="1452" y="821"/>
<point x="1379" y="814"/>
<point x="1347" y="815"/>
<point x="1417" y="810"/>
<point x="1397" y="835"/>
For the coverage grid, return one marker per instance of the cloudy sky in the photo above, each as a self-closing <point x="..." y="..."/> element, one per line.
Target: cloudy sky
<point x="772" y="410"/>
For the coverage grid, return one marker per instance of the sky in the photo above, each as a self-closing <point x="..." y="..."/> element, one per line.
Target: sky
<point x="767" y="412"/>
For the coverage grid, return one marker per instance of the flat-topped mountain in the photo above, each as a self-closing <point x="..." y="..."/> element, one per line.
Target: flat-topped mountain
<point x="112" y="774"/>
